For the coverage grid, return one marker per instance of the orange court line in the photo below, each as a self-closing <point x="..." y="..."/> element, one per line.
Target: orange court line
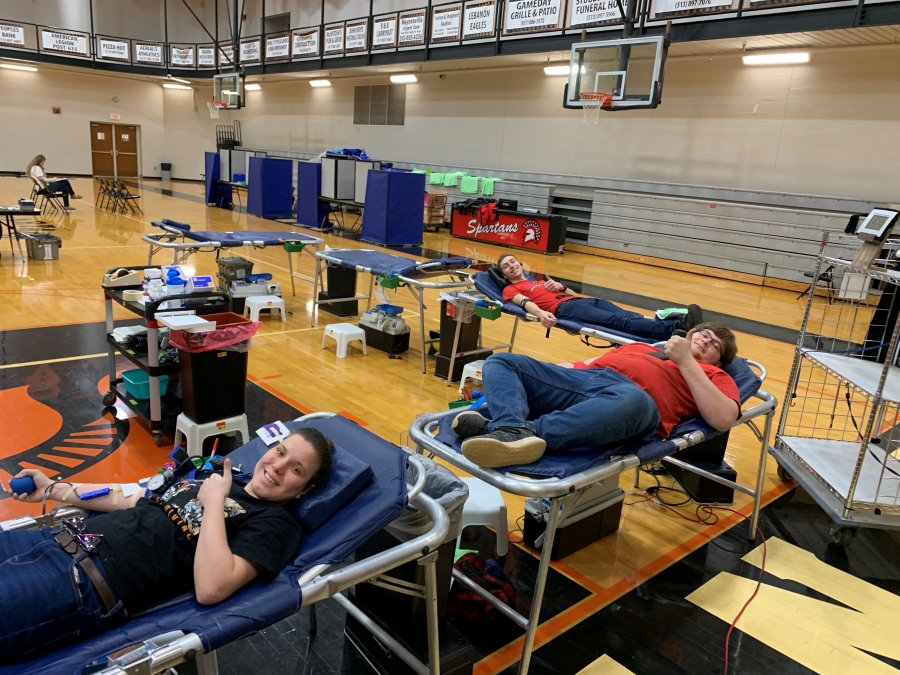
<point x="270" y="377"/>
<point x="511" y="653"/>
<point x="353" y="418"/>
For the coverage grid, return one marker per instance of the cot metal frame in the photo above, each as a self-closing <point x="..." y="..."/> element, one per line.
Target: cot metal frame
<point x="183" y="248"/>
<point x="564" y="493"/>
<point x="316" y="584"/>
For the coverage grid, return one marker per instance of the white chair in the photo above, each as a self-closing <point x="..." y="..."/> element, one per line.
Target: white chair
<point x="195" y="433"/>
<point x="471" y="371"/>
<point x="254" y="303"/>
<point x="485" y="506"/>
<point x="344" y="334"/>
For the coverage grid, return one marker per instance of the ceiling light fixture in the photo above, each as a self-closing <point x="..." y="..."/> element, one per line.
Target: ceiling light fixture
<point x="782" y="59"/>
<point x="10" y="66"/>
<point x="319" y="83"/>
<point x="403" y="79"/>
<point x="557" y="70"/>
<point x="175" y="86"/>
<point x="252" y="87"/>
<point x="178" y="79"/>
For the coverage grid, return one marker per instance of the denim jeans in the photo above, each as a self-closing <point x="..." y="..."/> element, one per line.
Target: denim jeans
<point x="568" y="408"/>
<point x="46" y="602"/>
<point x="599" y="312"/>
<point x="62" y="186"/>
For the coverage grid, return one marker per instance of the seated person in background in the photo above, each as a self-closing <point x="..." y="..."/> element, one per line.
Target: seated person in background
<point x="550" y="300"/>
<point x="625" y="395"/>
<point x="208" y="536"/>
<point x="35" y="170"/>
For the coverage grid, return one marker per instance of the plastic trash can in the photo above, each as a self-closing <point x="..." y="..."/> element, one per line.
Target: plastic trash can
<point x="166" y="170"/>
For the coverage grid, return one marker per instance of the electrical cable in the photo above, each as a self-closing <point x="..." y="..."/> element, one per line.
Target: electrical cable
<point x="858" y="433"/>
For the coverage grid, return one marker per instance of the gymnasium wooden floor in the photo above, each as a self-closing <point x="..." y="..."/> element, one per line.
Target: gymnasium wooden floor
<point x="54" y="301"/>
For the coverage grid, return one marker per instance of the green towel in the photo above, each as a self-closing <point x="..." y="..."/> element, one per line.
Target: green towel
<point x="451" y="179"/>
<point x="436" y="179"/>
<point x="487" y="185"/>
<point x="418" y="171"/>
<point x="469" y="185"/>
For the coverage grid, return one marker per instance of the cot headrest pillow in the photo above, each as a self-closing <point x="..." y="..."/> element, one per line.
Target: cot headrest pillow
<point x="497" y="276"/>
<point x="349" y="475"/>
<point x="176" y="224"/>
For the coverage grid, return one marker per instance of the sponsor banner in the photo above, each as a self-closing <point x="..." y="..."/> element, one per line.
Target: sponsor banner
<point x="305" y="42"/>
<point x="206" y="55"/>
<point x="356" y="35"/>
<point x="113" y="50"/>
<point x="445" y="22"/>
<point x="12" y="34"/>
<point x="479" y="19"/>
<point x="278" y="47"/>
<point x="759" y="4"/>
<point x="226" y="54"/>
<point x="148" y="53"/>
<point x="593" y="12"/>
<point x="530" y="231"/>
<point x="384" y="32"/>
<point x="526" y="16"/>
<point x="411" y="28"/>
<point x="334" y="38"/>
<point x="664" y="8"/>
<point x="182" y="56"/>
<point x="250" y="50"/>
<point x="66" y="43"/>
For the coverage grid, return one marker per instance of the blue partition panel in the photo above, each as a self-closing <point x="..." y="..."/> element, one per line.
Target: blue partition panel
<point x="216" y="194"/>
<point x="310" y="211"/>
<point x="269" y="188"/>
<point x="394" y="208"/>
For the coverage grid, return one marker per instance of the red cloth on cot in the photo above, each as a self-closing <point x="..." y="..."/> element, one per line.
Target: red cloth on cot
<point x="664" y="382"/>
<point x="538" y="294"/>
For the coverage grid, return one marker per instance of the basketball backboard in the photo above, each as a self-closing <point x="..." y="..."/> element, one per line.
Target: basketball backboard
<point x="631" y="69"/>
<point x="229" y="88"/>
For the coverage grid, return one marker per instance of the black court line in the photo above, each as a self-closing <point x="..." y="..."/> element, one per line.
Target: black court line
<point x="48" y="343"/>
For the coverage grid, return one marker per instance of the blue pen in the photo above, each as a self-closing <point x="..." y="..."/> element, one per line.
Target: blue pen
<point x="94" y="493"/>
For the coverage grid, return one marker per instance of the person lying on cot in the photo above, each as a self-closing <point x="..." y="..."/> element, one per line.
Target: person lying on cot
<point x="550" y="300"/>
<point x="209" y="536"/>
<point x="629" y="394"/>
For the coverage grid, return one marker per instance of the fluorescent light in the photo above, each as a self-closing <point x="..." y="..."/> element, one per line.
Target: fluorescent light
<point x="178" y="79"/>
<point x="252" y="87"/>
<point x="226" y="92"/>
<point x="10" y="66"/>
<point x="557" y="70"/>
<point x="784" y="58"/>
<point x="175" y="86"/>
<point x="403" y="79"/>
<point x="319" y="83"/>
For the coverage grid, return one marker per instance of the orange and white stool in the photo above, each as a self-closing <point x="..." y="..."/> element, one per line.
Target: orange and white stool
<point x="195" y="433"/>
<point x="344" y="334"/>
<point x="257" y="302"/>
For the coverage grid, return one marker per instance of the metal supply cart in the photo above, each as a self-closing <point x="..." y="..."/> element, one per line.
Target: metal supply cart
<point x="839" y="433"/>
<point x="157" y="412"/>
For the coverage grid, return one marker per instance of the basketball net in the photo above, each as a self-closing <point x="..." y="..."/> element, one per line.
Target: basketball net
<point x="214" y="108"/>
<point x="591" y="102"/>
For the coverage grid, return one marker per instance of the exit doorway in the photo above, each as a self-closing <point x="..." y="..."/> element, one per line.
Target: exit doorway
<point x="115" y="149"/>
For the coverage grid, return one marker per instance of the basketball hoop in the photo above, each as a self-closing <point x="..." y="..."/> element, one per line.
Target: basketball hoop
<point x="591" y="102"/>
<point x="214" y="108"/>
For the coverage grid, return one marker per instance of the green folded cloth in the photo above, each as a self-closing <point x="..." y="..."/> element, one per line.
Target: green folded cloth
<point x="487" y="185"/>
<point x="451" y="179"/>
<point x="419" y="171"/>
<point x="436" y="179"/>
<point x="469" y="185"/>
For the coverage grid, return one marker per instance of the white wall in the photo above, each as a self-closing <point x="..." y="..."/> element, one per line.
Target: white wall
<point x="831" y="127"/>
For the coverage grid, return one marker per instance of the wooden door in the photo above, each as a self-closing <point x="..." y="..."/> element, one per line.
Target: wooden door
<point x="126" y="150"/>
<point x="102" y="149"/>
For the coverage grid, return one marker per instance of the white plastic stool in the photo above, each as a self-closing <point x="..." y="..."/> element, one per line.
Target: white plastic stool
<point x="195" y="433"/>
<point x="471" y="371"/>
<point x="485" y="506"/>
<point x="344" y="333"/>
<point x="257" y="302"/>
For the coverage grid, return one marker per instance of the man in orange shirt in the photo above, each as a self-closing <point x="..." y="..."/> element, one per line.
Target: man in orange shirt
<point x="550" y="300"/>
<point x="631" y="394"/>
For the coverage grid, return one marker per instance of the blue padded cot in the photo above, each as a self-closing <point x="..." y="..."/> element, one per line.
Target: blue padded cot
<point x="377" y="262"/>
<point x="366" y="501"/>
<point x="489" y="287"/>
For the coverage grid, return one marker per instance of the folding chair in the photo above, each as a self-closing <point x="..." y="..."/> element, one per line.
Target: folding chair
<point x="43" y="197"/>
<point x="125" y="196"/>
<point x="826" y="277"/>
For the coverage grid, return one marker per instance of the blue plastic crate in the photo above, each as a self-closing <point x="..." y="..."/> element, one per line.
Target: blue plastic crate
<point x="390" y="310"/>
<point x="137" y="383"/>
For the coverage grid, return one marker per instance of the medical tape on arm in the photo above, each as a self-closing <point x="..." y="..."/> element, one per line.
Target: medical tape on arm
<point x="72" y="487"/>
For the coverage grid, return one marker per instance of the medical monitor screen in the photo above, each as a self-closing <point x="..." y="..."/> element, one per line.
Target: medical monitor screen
<point x="877" y="225"/>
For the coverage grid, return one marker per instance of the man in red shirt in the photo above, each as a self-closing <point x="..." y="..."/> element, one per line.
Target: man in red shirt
<point x="629" y="394"/>
<point x="550" y="300"/>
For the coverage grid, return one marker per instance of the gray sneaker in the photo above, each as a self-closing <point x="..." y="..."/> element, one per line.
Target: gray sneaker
<point x="470" y="423"/>
<point x="693" y="317"/>
<point x="504" y="447"/>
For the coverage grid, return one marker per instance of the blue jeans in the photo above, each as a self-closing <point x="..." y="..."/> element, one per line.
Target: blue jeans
<point x="605" y="314"/>
<point x="44" y="603"/>
<point x="568" y="408"/>
<point x="62" y="186"/>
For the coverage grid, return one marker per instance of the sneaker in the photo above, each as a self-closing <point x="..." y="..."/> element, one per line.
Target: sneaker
<point x="693" y="317"/>
<point x="670" y="313"/>
<point x="77" y="197"/>
<point x="504" y="447"/>
<point x="470" y="423"/>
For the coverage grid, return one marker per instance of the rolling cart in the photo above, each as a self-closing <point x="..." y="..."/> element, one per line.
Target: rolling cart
<point x="157" y="412"/>
<point x="839" y="433"/>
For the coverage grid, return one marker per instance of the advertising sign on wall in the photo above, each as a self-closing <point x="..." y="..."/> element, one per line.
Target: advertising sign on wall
<point x="334" y="39"/>
<point x="250" y="51"/>
<point x="665" y="8"/>
<point x="67" y="43"/>
<point x="182" y="56"/>
<point x="412" y="28"/>
<point x="306" y="42"/>
<point x="148" y="53"/>
<point x="278" y="47"/>
<point x="356" y="35"/>
<point x="384" y="31"/>
<point x="445" y="22"/>
<point x="593" y="12"/>
<point x="12" y="34"/>
<point x="479" y="19"/>
<point x="226" y="55"/>
<point x="206" y="55"/>
<point x="526" y="16"/>
<point x="113" y="50"/>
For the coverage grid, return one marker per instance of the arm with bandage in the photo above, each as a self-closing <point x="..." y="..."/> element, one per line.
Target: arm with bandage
<point x="119" y="495"/>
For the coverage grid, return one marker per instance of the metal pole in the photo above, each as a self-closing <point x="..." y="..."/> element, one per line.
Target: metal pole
<point x="262" y="39"/>
<point x="166" y="34"/>
<point x="431" y="617"/>
<point x="216" y="46"/>
<point x="761" y="474"/>
<point x="236" y="37"/>
<point x="94" y="37"/>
